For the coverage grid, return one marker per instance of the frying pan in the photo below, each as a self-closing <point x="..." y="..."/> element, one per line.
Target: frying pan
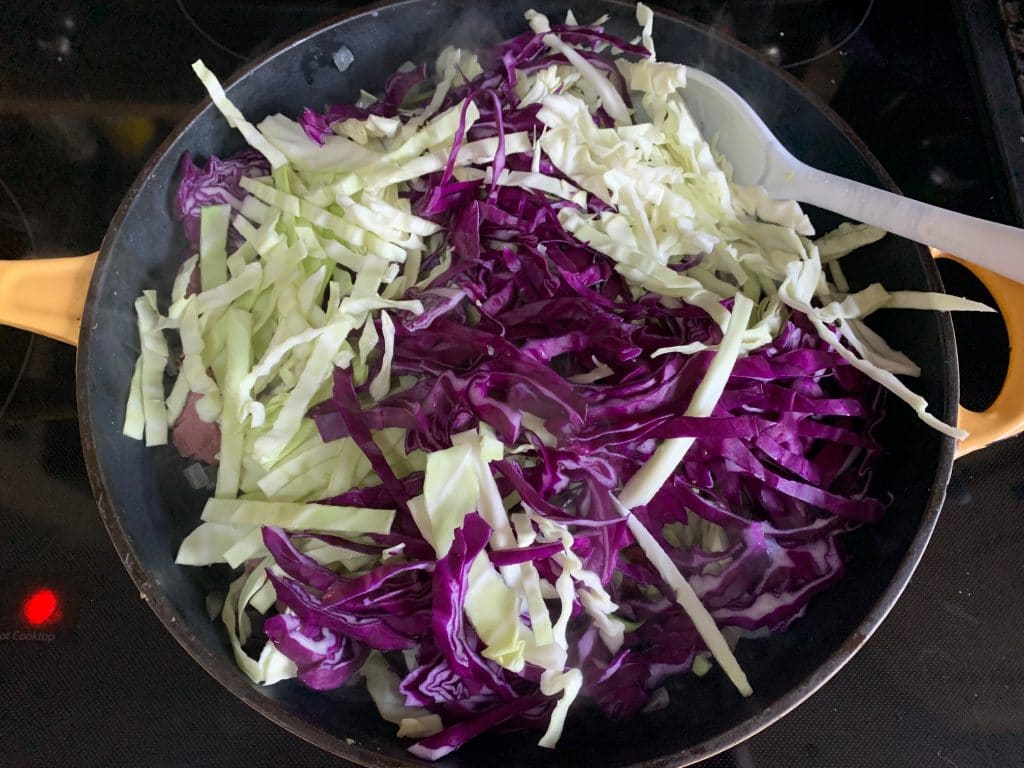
<point x="148" y="507"/>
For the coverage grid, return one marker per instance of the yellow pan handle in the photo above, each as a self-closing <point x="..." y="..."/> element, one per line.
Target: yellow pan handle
<point x="1005" y="417"/>
<point x="46" y="296"/>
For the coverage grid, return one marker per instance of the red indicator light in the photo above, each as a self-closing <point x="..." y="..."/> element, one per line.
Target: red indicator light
<point x="40" y="607"/>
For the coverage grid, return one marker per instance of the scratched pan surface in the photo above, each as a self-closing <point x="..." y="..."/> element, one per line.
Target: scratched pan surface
<point x="148" y="507"/>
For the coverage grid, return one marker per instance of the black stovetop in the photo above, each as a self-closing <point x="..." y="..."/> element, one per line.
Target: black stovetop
<point x="88" y="88"/>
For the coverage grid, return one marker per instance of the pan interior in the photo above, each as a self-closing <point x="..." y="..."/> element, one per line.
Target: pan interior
<point x="150" y="507"/>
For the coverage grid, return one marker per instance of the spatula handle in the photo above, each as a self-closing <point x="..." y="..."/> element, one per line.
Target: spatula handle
<point x="994" y="246"/>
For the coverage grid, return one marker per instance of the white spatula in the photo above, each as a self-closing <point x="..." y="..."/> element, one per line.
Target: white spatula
<point x="758" y="157"/>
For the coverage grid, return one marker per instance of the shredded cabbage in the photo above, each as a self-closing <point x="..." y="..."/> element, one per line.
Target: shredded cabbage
<point x="299" y="516"/>
<point x="515" y="397"/>
<point x="152" y="362"/>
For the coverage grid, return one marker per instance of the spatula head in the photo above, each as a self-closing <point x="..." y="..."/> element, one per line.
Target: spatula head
<point x="731" y="126"/>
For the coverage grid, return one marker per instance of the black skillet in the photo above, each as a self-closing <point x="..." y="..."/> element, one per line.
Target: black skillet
<point x="148" y="507"/>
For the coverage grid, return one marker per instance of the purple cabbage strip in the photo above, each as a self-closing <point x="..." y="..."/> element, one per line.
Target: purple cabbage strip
<point x="447" y="741"/>
<point x="369" y="627"/>
<point x="216" y="183"/>
<point x="294" y="563"/>
<point x="325" y="660"/>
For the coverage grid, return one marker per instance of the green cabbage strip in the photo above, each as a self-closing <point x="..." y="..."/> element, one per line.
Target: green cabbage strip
<point x="213" y="245"/>
<point x="207" y="544"/>
<point x="234" y="117"/>
<point x="493" y="610"/>
<point x="299" y="516"/>
<point x="272" y="665"/>
<point x="529" y="582"/>
<point x="382" y="683"/>
<point x="238" y="358"/>
<point x="135" y="414"/>
<point x="597" y="603"/>
<point x="649" y="479"/>
<point x="152" y="361"/>
<point x="552" y="683"/>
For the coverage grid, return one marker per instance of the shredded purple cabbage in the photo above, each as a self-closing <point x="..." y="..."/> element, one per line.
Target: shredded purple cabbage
<point x="216" y="183"/>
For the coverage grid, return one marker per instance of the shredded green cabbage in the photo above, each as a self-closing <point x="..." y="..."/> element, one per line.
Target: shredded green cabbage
<point x="152" y="361"/>
<point x="493" y="610"/>
<point x="382" y="683"/>
<point x="552" y="683"/>
<point x="135" y="415"/>
<point x="299" y="516"/>
<point x="213" y="245"/>
<point x="234" y="117"/>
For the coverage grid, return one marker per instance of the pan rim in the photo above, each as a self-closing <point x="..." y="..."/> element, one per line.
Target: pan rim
<point x="230" y="676"/>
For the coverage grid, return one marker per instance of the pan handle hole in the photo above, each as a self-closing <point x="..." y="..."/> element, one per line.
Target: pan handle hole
<point x="982" y="344"/>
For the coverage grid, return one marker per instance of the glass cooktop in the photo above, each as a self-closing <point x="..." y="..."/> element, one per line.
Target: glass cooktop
<point x="88" y="676"/>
